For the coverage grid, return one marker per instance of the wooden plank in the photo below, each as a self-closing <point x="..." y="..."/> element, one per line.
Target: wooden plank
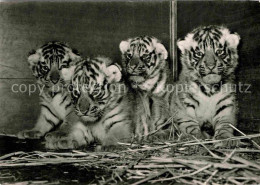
<point x="173" y="38"/>
<point x="93" y="28"/>
<point x="246" y="125"/>
<point x="19" y="108"/>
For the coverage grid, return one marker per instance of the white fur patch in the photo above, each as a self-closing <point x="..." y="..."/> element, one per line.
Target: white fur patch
<point x="113" y="74"/>
<point x="68" y="72"/>
<point x="56" y="105"/>
<point x="73" y="56"/>
<point x="124" y="46"/>
<point x="187" y="43"/>
<point x="232" y="39"/>
<point x="207" y="105"/>
<point x="160" y="49"/>
<point x="34" y="58"/>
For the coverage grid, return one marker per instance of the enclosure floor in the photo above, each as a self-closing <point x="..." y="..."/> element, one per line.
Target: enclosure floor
<point x="47" y="174"/>
<point x="148" y="162"/>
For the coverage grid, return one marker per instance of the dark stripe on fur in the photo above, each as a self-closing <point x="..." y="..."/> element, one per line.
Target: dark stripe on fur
<point x="49" y="110"/>
<point x="225" y="98"/>
<point x="222" y="108"/>
<point x="63" y="100"/>
<point x="50" y="122"/>
<point x="68" y="105"/>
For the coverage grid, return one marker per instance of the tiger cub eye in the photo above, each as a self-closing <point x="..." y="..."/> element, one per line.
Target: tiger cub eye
<point x="220" y="52"/>
<point x="146" y="57"/>
<point x="199" y="54"/>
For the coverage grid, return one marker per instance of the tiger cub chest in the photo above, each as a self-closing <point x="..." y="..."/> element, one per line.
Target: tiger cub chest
<point x="59" y="103"/>
<point x="201" y="106"/>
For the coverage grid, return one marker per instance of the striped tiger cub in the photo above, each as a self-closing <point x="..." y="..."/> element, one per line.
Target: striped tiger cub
<point x="52" y="65"/>
<point x="144" y="60"/>
<point x="205" y="104"/>
<point x="105" y="109"/>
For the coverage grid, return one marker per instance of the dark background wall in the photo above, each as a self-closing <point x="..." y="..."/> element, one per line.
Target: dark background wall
<point x="243" y="18"/>
<point x="94" y="28"/>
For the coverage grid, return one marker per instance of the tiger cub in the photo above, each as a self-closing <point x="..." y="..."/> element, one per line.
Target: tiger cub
<point x="52" y="66"/>
<point x="105" y="109"/>
<point x="204" y="104"/>
<point x="144" y="60"/>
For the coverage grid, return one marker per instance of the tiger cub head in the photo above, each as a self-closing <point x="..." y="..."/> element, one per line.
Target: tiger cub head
<point x="53" y="64"/>
<point x="91" y="87"/>
<point x="209" y="55"/>
<point x="143" y="58"/>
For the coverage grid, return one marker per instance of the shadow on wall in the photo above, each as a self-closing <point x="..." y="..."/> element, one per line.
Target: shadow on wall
<point x="93" y="28"/>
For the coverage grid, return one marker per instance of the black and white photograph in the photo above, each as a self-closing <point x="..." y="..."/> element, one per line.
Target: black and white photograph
<point x="129" y="92"/>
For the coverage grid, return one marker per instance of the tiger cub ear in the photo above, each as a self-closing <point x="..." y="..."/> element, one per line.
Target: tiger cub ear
<point x="33" y="57"/>
<point x="74" y="55"/>
<point x="183" y="45"/>
<point x="233" y="40"/>
<point x="124" y="46"/>
<point x="160" y="49"/>
<point x="186" y="43"/>
<point x="113" y="73"/>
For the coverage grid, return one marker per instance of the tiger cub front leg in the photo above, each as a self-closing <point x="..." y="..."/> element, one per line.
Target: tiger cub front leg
<point x="69" y="136"/>
<point x="189" y="127"/>
<point x="46" y="121"/>
<point x="223" y="130"/>
<point x="184" y="114"/>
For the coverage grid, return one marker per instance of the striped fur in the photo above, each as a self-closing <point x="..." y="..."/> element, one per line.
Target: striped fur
<point x="206" y="105"/>
<point x="105" y="109"/>
<point x="52" y="65"/>
<point x="151" y="115"/>
<point x="144" y="60"/>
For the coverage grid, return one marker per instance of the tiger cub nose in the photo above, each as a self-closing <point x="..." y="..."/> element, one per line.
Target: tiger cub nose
<point x="211" y="67"/>
<point x="84" y="106"/>
<point x="134" y="62"/>
<point x="141" y="67"/>
<point x="55" y="77"/>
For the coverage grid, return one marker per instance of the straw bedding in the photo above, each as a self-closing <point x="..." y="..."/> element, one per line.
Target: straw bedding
<point x="172" y="162"/>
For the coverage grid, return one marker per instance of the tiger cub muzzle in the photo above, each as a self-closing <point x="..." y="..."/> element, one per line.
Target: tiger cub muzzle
<point x="211" y="69"/>
<point x="88" y="109"/>
<point x="136" y="67"/>
<point x="54" y="76"/>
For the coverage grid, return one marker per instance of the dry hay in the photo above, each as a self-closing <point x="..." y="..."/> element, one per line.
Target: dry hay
<point x="190" y="162"/>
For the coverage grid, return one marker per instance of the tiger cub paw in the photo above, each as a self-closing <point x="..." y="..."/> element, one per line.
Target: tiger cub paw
<point x="30" y="134"/>
<point x="63" y="140"/>
<point x="228" y="144"/>
<point x="162" y="135"/>
<point x="110" y="148"/>
<point x="190" y="137"/>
